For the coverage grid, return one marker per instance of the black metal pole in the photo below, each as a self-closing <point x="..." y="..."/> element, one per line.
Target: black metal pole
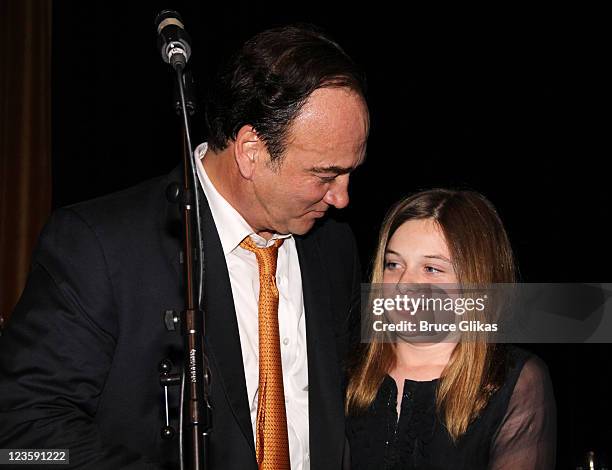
<point x="195" y="416"/>
<point x="195" y="401"/>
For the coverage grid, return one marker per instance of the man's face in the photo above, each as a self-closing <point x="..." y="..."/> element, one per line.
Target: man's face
<point x="325" y="143"/>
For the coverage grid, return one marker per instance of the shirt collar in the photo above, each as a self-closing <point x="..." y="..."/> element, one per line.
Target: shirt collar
<point x="231" y="226"/>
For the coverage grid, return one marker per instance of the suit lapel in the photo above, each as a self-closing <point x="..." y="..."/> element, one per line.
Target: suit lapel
<point x="222" y="327"/>
<point x="326" y="429"/>
<point x="221" y="339"/>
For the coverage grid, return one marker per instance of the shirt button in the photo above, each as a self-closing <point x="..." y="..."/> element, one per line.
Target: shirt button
<point x="286" y="341"/>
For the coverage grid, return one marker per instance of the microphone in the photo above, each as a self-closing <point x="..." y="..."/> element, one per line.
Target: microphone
<point x="173" y="41"/>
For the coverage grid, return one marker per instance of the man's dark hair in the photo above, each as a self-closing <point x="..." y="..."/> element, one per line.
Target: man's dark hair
<point x="268" y="81"/>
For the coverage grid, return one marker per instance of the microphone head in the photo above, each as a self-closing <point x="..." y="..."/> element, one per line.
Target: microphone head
<point x="166" y="17"/>
<point x="173" y="41"/>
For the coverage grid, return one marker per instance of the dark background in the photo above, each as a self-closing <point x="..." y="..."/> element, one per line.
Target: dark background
<point x="509" y="102"/>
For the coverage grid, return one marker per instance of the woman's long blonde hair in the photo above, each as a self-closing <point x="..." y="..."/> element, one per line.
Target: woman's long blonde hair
<point x="481" y="254"/>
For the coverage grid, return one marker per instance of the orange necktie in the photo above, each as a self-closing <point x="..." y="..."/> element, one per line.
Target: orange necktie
<point x="272" y="443"/>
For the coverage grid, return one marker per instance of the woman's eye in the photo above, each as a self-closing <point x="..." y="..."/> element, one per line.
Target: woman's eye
<point x="390" y="265"/>
<point x="431" y="269"/>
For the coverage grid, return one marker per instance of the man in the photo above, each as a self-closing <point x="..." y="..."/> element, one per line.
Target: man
<point x="78" y="364"/>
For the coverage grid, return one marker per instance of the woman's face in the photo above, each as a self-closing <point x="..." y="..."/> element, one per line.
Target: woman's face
<point x="417" y="253"/>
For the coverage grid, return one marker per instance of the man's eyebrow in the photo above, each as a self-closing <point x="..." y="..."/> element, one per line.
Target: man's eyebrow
<point x="339" y="170"/>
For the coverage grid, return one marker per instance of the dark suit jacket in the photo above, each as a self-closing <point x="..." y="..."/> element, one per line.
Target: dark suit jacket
<point x="79" y="358"/>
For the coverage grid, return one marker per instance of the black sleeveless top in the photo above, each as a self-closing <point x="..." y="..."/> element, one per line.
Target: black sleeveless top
<point x="516" y="430"/>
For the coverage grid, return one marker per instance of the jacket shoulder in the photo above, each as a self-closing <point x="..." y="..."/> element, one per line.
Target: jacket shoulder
<point x="124" y="206"/>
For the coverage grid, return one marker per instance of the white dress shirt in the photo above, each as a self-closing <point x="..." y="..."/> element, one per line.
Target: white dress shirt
<point x="244" y="279"/>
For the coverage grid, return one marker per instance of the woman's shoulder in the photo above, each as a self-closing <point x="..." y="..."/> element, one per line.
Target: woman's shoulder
<point x="527" y="384"/>
<point x="525" y="375"/>
<point x="525" y="365"/>
<point x="533" y="381"/>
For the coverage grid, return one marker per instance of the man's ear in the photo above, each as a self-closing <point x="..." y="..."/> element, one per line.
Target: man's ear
<point x="247" y="150"/>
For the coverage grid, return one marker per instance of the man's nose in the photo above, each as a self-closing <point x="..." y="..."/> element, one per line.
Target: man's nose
<point x="337" y="195"/>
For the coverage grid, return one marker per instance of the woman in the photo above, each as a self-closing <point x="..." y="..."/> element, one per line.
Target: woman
<point x="448" y="405"/>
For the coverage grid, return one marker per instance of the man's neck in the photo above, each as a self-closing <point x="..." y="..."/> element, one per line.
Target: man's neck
<point x="224" y="176"/>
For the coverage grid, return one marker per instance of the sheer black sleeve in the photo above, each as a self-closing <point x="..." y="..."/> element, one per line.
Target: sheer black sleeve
<point x="526" y="438"/>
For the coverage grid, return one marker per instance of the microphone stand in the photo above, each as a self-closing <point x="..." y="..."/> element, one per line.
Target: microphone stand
<point x="195" y="419"/>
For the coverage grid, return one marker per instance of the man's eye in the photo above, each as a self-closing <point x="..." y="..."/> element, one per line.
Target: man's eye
<point x="327" y="179"/>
